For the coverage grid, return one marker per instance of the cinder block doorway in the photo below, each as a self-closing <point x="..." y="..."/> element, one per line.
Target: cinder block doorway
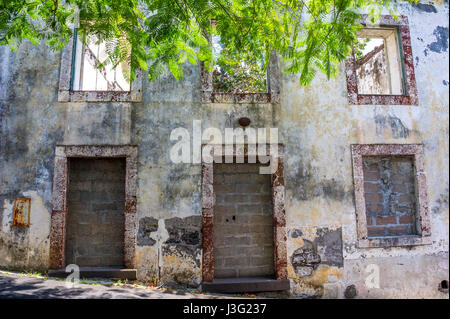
<point x="95" y="212"/>
<point x="58" y="231"/>
<point x="211" y="281"/>
<point x="243" y="235"/>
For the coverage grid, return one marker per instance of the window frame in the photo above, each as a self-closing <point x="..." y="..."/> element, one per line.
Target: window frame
<point x="422" y="211"/>
<point x="271" y="96"/>
<point x="66" y="94"/>
<point x="410" y="95"/>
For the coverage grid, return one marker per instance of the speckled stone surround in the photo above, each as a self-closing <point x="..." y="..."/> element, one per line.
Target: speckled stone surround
<point x="423" y="217"/>
<point x="279" y="218"/>
<point x="272" y="96"/>
<point x="410" y="97"/>
<point x="59" y="211"/>
<point x="66" y="95"/>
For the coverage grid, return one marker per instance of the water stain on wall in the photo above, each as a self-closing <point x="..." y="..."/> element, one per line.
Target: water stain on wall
<point x="398" y="129"/>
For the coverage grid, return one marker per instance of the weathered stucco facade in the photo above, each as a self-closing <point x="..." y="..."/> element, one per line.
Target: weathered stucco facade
<point x="317" y="127"/>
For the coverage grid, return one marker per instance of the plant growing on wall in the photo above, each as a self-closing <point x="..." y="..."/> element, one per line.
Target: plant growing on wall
<point x="310" y="35"/>
<point x="237" y="72"/>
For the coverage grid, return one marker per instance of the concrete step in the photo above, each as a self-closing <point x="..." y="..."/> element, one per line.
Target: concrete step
<point x="247" y="284"/>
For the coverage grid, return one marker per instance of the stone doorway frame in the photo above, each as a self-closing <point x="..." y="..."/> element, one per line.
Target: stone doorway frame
<point x="278" y="213"/>
<point x="59" y="197"/>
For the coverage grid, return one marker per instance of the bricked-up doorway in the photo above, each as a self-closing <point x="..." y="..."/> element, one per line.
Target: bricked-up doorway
<point x="95" y="212"/>
<point x="59" y="219"/>
<point x="254" y="222"/>
<point x="243" y="226"/>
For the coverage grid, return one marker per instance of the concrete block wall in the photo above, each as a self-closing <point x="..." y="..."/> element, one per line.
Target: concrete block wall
<point x="95" y="220"/>
<point x="243" y="228"/>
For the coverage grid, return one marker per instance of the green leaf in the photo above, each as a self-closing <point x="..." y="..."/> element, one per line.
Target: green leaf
<point x="310" y="35"/>
<point x="176" y="70"/>
<point x="142" y="63"/>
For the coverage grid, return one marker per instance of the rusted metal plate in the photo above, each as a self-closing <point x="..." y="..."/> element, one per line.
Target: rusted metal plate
<point x="21" y="216"/>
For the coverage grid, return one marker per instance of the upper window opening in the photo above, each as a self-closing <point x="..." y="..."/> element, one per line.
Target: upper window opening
<point x="378" y="63"/>
<point x="92" y="70"/>
<point x="245" y="76"/>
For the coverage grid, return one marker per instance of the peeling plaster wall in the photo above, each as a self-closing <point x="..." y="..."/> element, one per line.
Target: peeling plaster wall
<point x="316" y="125"/>
<point x="31" y="123"/>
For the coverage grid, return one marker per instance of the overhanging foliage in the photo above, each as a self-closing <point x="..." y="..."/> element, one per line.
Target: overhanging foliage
<point x="310" y="35"/>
